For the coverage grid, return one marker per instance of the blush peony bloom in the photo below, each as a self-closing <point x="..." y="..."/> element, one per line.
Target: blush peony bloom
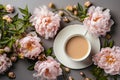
<point x="30" y="46"/>
<point x="46" y="22"/>
<point x="5" y="63"/>
<point x="98" y="22"/>
<point x="109" y="60"/>
<point x="48" y="70"/>
<point x="9" y="8"/>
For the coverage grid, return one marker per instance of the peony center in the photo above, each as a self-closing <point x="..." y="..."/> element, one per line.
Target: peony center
<point x="47" y="20"/>
<point x="47" y="73"/>
<point x="96" y="19"/>
<point x="29" y="45"/>
<point x="110" y="59"/>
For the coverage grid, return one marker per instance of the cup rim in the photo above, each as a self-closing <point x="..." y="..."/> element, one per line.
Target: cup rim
<point x="88" y="52"/>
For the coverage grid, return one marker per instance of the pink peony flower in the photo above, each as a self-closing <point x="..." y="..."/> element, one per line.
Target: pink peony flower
<point x="98" y="22"/>
<point x="46" y="22"/>
<point x="9" y="8"/>
<point x="109" y="60"/>
<point x="48" y="69"/>
<point x="5" y="63"/>
<point x="30" y="47"/>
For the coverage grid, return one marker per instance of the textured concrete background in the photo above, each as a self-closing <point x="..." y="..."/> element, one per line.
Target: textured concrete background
<point x="20" y="68"/>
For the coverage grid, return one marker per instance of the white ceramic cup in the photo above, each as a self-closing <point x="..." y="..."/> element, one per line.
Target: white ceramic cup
<point x="88" y="52"/>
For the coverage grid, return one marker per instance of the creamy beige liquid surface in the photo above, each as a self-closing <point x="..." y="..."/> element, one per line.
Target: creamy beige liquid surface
<point x="77" y="47"/>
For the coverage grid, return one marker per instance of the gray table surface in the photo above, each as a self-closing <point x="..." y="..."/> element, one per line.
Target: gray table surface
<point x="20" y="68"/>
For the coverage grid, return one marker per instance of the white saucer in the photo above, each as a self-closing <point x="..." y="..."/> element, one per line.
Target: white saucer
<point x="60" y="39"/>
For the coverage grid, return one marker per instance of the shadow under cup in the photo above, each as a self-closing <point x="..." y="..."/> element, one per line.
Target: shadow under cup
<point x="77" y="47"/>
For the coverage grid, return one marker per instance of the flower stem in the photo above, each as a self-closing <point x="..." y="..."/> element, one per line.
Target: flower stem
<point x="68" y="14"/>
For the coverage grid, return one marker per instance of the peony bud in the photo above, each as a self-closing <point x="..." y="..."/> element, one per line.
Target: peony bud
<point x="75" y="13"/>
<point x="70" y="78"/>
<point x="82" y="74"/>
<point x="61" y="13"/>
<point x="67" y="69"/>
<point x="9" y="8"/>
<point x="87" y="4"/>
<point x="75" y="7"/>
<point x="51" y="5"/>
<point x="21" y="56"/>
<point x="69" y="8"/>
<point x="87" y="79"/>
<point x="65" y="19"/>
<point x="42" y="57"/>
<point x="7" y="49"/>
<point x="108" y="36"/>
<point x="7" y="18"/>
<point x="11" y="75"/>
<point x="13" y="58"/>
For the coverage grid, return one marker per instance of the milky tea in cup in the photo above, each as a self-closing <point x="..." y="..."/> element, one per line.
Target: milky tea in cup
<point x="77" y="47"/>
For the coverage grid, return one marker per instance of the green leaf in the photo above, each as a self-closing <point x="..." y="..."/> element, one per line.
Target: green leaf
<point x="10" y="44"/>
<point x="26" y="17"/>
<point x="80" y="12"/>
<point x="24" y="11"/>
<point x="31" y="68"/>
<point x="80" y="8"/>
<point x="99" y="73"/>
<point x="19" y="24"/>
<point x="81" y="19"/>
<point x="26" y="8"/>
<point x="96" y="72"/>
<point x="102" y="78"/>
<point x="48" y="52"/>
<point x="4" y="41"/>
<point x="111" y="43"/>
<point x="105" y="43"/>
<point x="85" y="11"/>
<point x="2" y="23"/>
<point x="15" y="18"/>
<point x="1" y="6"/>
<point x="12" y="31"/>
<point x="21" y="30"/>
<point x="11" y="25"/>
<point x="83" y="16"/>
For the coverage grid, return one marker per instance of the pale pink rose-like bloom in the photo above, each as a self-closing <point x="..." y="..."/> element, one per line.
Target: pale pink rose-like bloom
<point x="46" y="22"/>
<point x="109" y="60"/>
<point x="5" y="63"/>
<point x="47" y="70"/>
<point x="30" y="47"/>
<point x="98" y="21"/>
<point x="9" y="8"/>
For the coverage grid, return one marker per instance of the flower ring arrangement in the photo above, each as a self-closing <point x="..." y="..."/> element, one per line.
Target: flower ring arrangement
<point x="18" y="42"/>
